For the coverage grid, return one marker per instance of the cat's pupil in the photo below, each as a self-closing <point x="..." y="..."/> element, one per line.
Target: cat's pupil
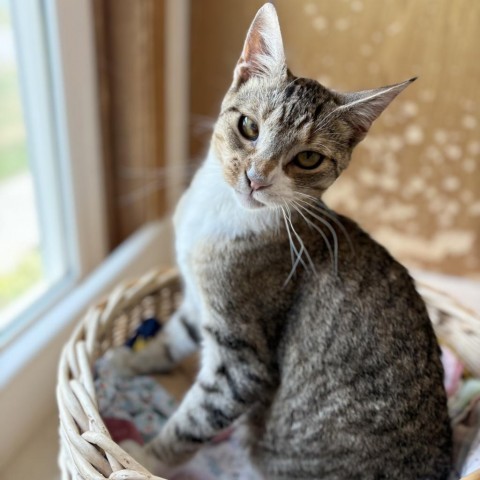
<point x="248" y="128"/>
<point x="308" y="160"/>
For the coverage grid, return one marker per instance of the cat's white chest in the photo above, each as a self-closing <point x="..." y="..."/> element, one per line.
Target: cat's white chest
<point x="209" y="213"/>
<point x="202" y="215"/>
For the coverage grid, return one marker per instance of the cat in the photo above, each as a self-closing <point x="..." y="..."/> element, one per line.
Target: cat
<point x="310" y="332"/>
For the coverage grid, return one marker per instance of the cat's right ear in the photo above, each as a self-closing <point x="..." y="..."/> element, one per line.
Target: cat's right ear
<point x="263" y="53"/>
<point x="362" y="108"/>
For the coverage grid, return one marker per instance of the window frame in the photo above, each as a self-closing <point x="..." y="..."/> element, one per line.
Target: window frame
<point x="54" y="43"/>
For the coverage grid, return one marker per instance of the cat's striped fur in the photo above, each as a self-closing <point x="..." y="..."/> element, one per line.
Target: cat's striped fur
<point x="332" y="364"/>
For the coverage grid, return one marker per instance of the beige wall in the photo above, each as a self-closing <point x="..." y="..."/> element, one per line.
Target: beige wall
<point x="415" y="182"/>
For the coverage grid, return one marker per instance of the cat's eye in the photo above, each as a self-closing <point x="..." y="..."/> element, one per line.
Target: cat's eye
<point x="248" y="128"/>
<point x="308" y="160"/>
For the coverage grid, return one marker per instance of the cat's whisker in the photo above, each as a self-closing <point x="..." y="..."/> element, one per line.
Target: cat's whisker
<point x="144" y="190"/>
<point x="331" y="142"/>
<point x="145" y="172"/>
<point x="320" y="208"/>
<point x="154" y="178"/>
<point x="334" y="256"/>
<point x="201" y="124"/>
<point x="299" y="238"/>
<point x="279" y="94"/>
<point x="325" y="120"/>
<point x="293" y="250"/>
<point x="278" y="223"/>
<point x="294" y="266"/>
<point x="319" y="230"/>
<point x="289" y="236"/>
<point x="298" y="252"/>
<point x="329" y="227"/>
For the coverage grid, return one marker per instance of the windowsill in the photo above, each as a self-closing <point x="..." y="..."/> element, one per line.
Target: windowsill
<point x="38" y="457"/>
<point x="29" y="309"/>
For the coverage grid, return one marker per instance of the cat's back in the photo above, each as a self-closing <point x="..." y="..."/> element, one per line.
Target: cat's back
<point x="361" y="380"/>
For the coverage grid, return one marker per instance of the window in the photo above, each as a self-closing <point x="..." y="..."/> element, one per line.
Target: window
<point x="20" y="260"/>
<point x="34" y="261"/>
<point x="44" y="227"/>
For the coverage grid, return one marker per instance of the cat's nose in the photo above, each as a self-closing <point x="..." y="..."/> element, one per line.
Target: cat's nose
<point x="256" y="182"/>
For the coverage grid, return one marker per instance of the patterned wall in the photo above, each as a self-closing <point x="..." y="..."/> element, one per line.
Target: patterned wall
<point x="414" y="183"/>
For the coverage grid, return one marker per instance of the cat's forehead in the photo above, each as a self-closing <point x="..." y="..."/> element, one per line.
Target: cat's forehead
<point x="291" y="103"/>
<point x="291" y="113"/>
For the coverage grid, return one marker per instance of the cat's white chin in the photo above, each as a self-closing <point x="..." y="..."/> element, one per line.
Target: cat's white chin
<point x="247" y="201"/>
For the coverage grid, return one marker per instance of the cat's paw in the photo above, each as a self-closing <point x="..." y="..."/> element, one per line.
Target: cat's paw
<point x="147" y="459"/>
<point x="121" y="361"/>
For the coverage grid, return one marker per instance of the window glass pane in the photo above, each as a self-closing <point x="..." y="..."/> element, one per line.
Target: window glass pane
<point x="21" y="269"/>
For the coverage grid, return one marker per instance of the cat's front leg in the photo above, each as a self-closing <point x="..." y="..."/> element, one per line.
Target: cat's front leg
<point x="229" y="383"/>
<point x="179" y="337"/>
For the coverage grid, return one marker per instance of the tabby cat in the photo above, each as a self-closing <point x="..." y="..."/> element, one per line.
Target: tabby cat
<point x="311" y="334"/>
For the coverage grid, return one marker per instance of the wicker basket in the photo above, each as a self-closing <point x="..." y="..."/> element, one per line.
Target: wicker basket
<point x="87" y="451"/>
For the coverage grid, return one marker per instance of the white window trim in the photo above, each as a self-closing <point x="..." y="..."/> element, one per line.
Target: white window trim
<point x="78" y="113"/>
<point x="39" y="116"/>
<point x="72" y="45"/>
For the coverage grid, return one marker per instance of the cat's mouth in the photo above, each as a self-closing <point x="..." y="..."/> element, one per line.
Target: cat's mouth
<point x="247" y="200"/>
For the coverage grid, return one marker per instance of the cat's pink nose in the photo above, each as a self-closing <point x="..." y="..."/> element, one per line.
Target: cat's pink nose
<point x="256" y="182"/>
<point x="258" y="186"/>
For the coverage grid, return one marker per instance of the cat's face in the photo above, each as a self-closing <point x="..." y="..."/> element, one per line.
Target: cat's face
<point x="279" y="137"/>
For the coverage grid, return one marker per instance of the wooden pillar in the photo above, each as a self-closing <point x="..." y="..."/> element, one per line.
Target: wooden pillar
<point x="130" y="51"/>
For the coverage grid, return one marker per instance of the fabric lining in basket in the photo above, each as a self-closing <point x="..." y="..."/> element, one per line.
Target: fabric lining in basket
<point x="86" y="448"/>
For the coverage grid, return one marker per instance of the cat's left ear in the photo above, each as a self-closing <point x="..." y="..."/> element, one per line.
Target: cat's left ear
<point x="263" y="53"/>
<point x="361" y="109"/>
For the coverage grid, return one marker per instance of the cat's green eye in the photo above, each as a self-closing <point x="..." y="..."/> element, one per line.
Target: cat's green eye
<point x="308" y="160"/>
<point x="248" y="128"/>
